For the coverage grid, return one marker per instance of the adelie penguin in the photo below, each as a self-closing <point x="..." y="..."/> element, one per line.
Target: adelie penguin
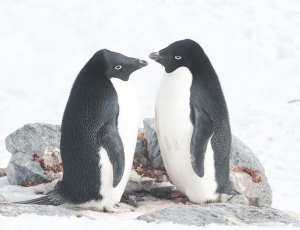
<point x="98" y="134"/>
<point x="192" y="123"/>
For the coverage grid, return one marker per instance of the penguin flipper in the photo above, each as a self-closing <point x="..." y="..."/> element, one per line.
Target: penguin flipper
<point x="203" y="130"/>
<point x="111" y="141"/>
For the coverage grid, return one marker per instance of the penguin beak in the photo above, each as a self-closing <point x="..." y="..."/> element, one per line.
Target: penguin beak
<point x="142" y="63"/>
<point x="155" y="56"/>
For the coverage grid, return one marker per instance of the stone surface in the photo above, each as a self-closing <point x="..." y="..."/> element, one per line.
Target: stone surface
<point x="222" y="214"/>
<point x="248" y="174"/>
<point x="246" y="171"/>
<point x="162" y="192"/>
<point x="234" y="199"/>
<point x="35" y="150"/>
<point x="141" y="147"/>
<point x="153" y="146"/>
<point x="160" y="178"/>
<point x="146" y="185"/>
<point x="132" y="201"/>
<point x="137" y="191"/>
<point x="9" y="209"/>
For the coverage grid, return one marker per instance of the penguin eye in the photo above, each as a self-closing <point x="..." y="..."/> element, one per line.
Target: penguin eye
<point x="118" y="67"/>
<point x="177" y="57"/>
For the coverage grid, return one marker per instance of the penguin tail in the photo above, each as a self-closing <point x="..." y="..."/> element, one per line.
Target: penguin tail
<point x="51" y="199"/>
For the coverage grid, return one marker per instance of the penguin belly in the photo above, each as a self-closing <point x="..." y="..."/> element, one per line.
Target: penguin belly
<point x="174" y="130"/>
<point x="127" y="128"/>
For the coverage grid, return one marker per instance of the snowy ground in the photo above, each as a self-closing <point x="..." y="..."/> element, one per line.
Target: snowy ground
<point x="109" y="223"/>
<point x="253" y="45"/>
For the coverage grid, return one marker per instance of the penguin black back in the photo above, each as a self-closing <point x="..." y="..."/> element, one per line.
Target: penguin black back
<point x="90" y="121"/>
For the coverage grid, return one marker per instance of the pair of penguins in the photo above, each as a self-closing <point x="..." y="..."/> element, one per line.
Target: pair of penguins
<point x="100" y="123"/>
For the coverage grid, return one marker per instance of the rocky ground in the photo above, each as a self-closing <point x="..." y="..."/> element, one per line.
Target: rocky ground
<point x="36" y="164"/>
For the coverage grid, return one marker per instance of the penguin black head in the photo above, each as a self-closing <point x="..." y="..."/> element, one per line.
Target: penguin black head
<point x="180" y="53"/>
<point x="116" y="65"/>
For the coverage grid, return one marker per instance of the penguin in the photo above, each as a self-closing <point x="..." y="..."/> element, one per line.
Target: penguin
<point x="98" y="134"/>
<point x="192" y="123"/>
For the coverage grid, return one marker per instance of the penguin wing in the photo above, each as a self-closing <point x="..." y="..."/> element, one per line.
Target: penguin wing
<point x="51" y="199"/>
<point x="110" y="140"/>
<point x="203" y="130"/>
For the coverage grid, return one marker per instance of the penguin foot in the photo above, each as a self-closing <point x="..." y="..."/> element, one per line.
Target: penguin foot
<point x="117" y="210"/>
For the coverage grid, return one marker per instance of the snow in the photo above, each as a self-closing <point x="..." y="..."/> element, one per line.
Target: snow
<point x="253" y="45"/>
<point x="57" y="223"/>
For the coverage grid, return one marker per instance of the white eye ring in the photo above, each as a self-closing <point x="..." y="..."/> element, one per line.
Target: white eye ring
<point x="177" y="57"/>
<point x="118" y="67"/>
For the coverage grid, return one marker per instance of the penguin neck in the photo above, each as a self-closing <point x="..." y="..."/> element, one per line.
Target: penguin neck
<point x="204" y="72"/>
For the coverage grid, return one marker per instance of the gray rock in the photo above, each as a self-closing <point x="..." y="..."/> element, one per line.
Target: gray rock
<point x="3" y="199"/>
<point x="246" y="171"/>
<point x="162" y="192"/>
<point x="234" y="199"/>
<point x="143" y="161"/>
<point x="140" y="150"/>
<point x="238" y="200"/>
<point x="158" y="163"/>
<point x="141" y="147"/>
<point x="146" y="185"/>
<point x="153" y="146"/>
<point x="8" y="209"/>
<point x="132" y="185"/>
<point x="160" y="178"/>
<point x="132" y="201"/>
<point x="248" y="174"/>
<point x="222" y="214"/>
<point x="35" y="150"/>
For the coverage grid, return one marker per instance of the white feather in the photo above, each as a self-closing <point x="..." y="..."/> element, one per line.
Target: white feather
<point x="174" y="129"/>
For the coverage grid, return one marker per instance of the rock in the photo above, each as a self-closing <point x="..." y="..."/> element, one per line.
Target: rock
<point x="222" y="214"/>
<point x="143" y="190"/>
<point x="132" y="185"/>
<point x="132" y="201"/>
<point x="157" y="163"/>
<point x="3" y="199"/>
<point x="248" y="174"/>
<point x="246" y="171"/>
<point x="2" y="172"/>
<point x="223" y="198"/>
<point x="153" y="147"/>
<point x="160" y="178"/>
<point x="141" y="147"/>
<point x="146" y="185"/>
<point x="35" y="150"/>
<point x="254" y="201"/>
<point x="234" y="199"/>
<point x="9" y="209"/>
<point x="162" y="192"/>
<point x="140" y="151"/>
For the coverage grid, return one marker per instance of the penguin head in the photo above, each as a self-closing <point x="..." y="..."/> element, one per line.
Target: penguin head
<point x="178" y="54"/>
<point x="121" y="66"/>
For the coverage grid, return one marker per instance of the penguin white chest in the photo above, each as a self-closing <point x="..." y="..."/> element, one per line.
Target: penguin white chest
<point x="175" y="129"/>
<point x="127" y="128"/>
